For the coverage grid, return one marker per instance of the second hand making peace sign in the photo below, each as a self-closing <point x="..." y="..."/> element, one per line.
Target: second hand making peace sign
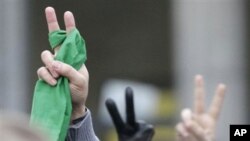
<point x="200" y="124"/>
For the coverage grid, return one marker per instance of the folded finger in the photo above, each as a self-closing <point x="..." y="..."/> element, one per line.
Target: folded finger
<point x="68" y="71"/>
<point x="181" y="131"/>
<point x="47" y="59"/>
<point x="44" y="74"/>
<point x="195" y="130"/>
<point x="186" y="114"/>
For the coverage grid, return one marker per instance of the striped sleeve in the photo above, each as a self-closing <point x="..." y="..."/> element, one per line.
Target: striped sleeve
<point x="83" y="130"/>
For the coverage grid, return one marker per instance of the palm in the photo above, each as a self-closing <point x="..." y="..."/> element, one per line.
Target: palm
<point x="79" y="91"/>
<point x="208" y="123"/>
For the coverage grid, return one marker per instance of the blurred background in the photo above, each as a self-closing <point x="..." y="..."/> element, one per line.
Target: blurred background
<point x="156" y="47"/>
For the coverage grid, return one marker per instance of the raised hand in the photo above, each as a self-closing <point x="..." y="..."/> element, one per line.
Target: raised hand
<point x="199" y="124"/>
<point x="52" y="69"/>
<point x="132" y="130"/>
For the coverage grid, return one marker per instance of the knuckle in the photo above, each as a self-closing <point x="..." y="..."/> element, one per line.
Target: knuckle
<point x="45" y="53"/>
<point x="41" y="71"/>
<point x="177" y="126"/>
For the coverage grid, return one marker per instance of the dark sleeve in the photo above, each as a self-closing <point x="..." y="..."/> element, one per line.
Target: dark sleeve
<point x="82" y="130"/>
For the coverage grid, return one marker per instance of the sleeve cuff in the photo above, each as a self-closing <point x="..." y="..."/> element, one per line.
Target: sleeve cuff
<point x="83" y="130"/>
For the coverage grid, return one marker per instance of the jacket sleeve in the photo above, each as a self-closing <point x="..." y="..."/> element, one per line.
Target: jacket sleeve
<point x="83" y="130"/>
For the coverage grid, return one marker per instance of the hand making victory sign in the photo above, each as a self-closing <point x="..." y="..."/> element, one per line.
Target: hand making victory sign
<point x="200" y="125"/>
<point x="132" y="130"/>
<point x="52" y="69"/>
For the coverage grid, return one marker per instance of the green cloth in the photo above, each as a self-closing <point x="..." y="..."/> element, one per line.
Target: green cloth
<point x="52" y="106"/>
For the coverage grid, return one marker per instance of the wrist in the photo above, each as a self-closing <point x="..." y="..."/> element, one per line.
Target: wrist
<point x="78" y="112"/>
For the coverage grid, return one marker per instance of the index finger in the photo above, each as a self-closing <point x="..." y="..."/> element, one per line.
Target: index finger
<point x="130" y="107"/>
<point x="51" y="19"/>
<point x="115" y="115"/>
<point x="217" y="102"/>
<point x="199" y="93"/>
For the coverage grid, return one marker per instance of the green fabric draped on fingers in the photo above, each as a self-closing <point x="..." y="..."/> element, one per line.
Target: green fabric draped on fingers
<point x="52" y="106"/>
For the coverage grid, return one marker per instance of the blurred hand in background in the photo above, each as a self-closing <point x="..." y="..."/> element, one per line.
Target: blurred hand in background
<point x="199" y="124"/>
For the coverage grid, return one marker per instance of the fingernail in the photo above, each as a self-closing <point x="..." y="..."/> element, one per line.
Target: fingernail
<point x="56" y="65"/>
<point x="53" y="82"/>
